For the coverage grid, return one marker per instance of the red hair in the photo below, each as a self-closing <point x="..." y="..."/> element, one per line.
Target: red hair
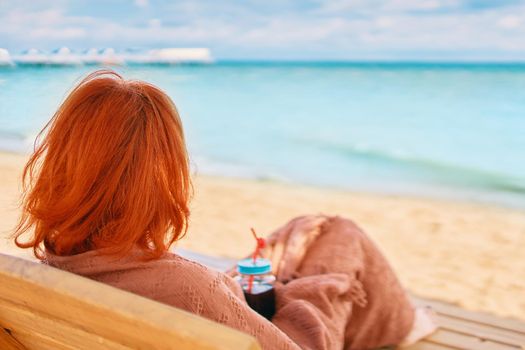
<point x="111" y="171"/>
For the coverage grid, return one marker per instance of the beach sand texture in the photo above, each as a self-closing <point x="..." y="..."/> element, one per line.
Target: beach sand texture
<point x="468" y="254"/>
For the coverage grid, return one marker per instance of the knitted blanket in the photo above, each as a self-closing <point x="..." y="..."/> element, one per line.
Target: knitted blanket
<point x="335" y="289"/>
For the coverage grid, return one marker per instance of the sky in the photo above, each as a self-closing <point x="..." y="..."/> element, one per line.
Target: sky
<point x="456" y="30"/>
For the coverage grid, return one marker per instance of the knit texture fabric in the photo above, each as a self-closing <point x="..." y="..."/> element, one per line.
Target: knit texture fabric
<point x="335" y="289"/>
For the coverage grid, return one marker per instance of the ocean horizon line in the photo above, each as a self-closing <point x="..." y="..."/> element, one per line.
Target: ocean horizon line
<point x="371" y="60"/>
<point x="412" y="64"/>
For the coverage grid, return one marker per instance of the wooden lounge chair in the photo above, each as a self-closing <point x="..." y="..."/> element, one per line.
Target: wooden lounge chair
<point x="45" y="308"/>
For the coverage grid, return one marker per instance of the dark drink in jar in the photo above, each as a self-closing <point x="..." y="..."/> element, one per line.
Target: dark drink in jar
<point x="257" y="283"/>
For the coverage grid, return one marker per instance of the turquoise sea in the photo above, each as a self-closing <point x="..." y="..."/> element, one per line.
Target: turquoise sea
<point x="432" y="129"/>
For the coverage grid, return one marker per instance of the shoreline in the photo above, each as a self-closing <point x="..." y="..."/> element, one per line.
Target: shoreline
<point x="439" y="192"/>
<point x="460" y="252"/>
<point x="427" y="192"/>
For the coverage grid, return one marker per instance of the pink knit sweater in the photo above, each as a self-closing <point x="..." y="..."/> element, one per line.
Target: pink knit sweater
<point x="336" y="291"/>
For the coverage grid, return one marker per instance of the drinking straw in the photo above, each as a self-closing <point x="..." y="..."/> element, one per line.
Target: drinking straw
<point x="261" y="243"/>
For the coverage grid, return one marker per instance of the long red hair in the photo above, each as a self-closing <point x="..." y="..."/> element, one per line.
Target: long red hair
<point x="110" y="170"/>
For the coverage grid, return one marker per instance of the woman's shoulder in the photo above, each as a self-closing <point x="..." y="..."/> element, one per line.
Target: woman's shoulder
<point x="175" y="264"/>
<point x="190" y="285"/>
<point x="177" y="270"/>
<point x="96" y="263"/>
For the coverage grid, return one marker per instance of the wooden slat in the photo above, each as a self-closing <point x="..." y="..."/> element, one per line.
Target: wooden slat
<point x="8" y="341"/>
<point x="100" y="311"/>
<point x="42" y="342"/>
<point x="482" y="331"/>
<point x="466" y="342"/>
<point x="477" y="317"/>
<point x="425" y="345"/>
<point x="15" y="316"/>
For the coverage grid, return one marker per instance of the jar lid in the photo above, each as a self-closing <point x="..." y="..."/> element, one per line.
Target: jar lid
<point x="249" y="267"/>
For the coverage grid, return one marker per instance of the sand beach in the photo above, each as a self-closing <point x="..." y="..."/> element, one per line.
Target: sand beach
<point x="464" y="253"/>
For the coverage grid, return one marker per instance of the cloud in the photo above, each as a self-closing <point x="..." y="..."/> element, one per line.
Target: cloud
<point x="510" y="22"/>
<point x="45" y="26"/>
<point x="142" y="3"/>
<point x="58" y="34"/>
<point x="318" y="29"/>
<point x="371" y="7"/>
